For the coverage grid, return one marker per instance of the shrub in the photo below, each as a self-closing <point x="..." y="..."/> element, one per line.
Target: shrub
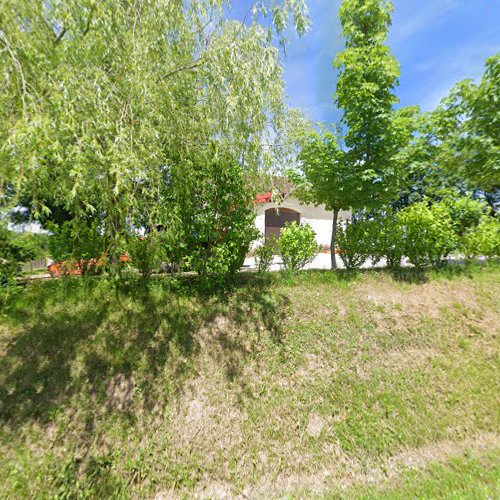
<point x="297" y="246"/>
<point x="74" y="241"/>
<point x="483" y="239"/>
<point x="355" y="241"/>
<point x="386" y="239"/>
<point x="464" y="212"/>
<point x="172" y="251"/>
<point x="214" y="219"/>
<point x="37" y="243"/>
<point x="146" y="253"/>
<point x="264" y="255"/>
<point x="428" y="234"/>
<point x="374" y="230"/>
<point x="14" y="251"/>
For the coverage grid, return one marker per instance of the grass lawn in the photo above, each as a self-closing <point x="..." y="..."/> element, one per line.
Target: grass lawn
<point x="315" y="385"/>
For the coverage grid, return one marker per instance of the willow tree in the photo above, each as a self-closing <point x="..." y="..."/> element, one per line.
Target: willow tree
<point x="98" y="98"/>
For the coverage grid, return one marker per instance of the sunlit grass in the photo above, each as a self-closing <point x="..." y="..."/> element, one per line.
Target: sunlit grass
<point x="285" y="383"/>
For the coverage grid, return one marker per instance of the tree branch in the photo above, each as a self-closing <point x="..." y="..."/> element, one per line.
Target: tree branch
<point x="187" y="67"/>
<point x="89" y="20"/>
<point x="60" y="36"/>
<point x="19" y="66"/>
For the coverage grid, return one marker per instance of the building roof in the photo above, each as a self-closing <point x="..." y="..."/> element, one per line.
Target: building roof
<point x="263" y="198"/>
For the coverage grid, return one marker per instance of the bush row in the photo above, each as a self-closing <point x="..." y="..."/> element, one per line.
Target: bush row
<point x="424" y="233"/>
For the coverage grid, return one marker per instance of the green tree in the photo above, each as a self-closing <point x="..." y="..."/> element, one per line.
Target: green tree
<point x="425" y="177"/>
<point x="466" y="129"/>
<point x="368" y="75"/>
<point x="98" y="97"/>
<point x="364" y="167"/>
<point x="325" y="178"/>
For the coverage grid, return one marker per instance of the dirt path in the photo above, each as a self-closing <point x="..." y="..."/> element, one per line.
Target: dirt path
<point x="345" y="472"/>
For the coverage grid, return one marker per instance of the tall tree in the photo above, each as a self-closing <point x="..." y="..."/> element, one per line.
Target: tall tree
<point x="364" y="167"/>
<point x="98" y="97"/>
<point x="368" y="75"/>
<point x="466" y="131"/>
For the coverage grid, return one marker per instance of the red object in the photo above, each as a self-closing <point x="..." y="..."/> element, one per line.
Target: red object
<point x="65" y="268"/>
<point x="263" y="198"/>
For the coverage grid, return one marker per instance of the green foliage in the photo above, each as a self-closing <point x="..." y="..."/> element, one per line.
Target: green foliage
<point x="14" y="250"/>
<point x="466" y="129"/>
<point x="67" y="242"/>
<point x="425" y="233"/>
<point x="373" y="228"/>
<point x="464" y="211"/>
<point x="297" y="246"/>
<point x="368" y="75"/>
<point x="325" y="177"/>
<point x="147" y="253"/>
<point x="99" y="98"/>
<point x="264" y="255"/>
<point x="37" y="243"/>
<point x="426" y="178"/>
<point x="388" y="239"/>
<point x="355" y="240"/>
<point x="483" y="239"/>
<point x="368" y="170"/>
<point x="428" y="234"/>
<point x="214" y="217"/>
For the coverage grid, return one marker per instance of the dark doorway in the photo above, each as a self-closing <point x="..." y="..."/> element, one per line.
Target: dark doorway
<point x="276" y="218"/>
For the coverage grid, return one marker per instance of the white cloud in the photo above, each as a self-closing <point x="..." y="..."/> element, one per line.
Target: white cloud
<point x="422" y="19"/>
<point x="468" y="62"/>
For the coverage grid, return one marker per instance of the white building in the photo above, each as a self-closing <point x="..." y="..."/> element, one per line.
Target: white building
<point x="270" y="218"/>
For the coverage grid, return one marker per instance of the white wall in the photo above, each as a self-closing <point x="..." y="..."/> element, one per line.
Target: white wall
<point x="318" y="218"/>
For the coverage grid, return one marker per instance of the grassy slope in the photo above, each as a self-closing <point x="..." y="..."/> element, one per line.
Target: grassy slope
<point x="308" y="385"/>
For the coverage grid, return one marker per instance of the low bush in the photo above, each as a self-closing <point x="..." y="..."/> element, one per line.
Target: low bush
<point x="74" y="242"/>
<point x="146" y="253"/>
<point x="374" y="230"/>
<point x="264" y="255"/>
<point x="297" y="246"/>
<point x="356" y="242"/>
<point x="428" y="234"/>
<point x="464" y="212"/>
<point x="13" y="252"/>
<point x="390" y="239"/>
<point x="483" y="239"/>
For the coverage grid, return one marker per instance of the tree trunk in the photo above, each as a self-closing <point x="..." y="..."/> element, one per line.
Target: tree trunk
<point x="334" y="234"/>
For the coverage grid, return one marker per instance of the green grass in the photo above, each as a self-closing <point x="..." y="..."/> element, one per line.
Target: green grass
<point x="311" y="382"/>
<point x="465" y="476"/>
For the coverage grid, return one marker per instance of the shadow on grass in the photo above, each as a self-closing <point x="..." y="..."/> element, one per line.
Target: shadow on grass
<point x="447" y="270"/>
<point x="75" y="335"/>
<point x="72" y="336"/>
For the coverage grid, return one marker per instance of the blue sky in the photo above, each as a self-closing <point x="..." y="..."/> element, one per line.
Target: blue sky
<point x="437" y="42"/>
